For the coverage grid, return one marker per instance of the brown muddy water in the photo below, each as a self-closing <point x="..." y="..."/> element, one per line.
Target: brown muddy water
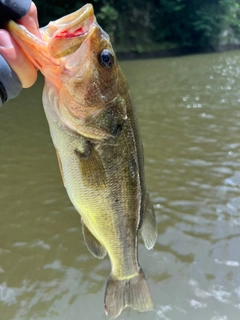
<point x="189" y="115"/>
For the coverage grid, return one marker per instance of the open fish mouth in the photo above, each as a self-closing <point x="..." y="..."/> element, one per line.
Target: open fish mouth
<point x="58" y="39"/>
<point x="69" y="32"/>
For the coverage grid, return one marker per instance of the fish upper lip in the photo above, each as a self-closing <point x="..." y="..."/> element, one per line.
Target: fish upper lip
<point x="75" y="26"/>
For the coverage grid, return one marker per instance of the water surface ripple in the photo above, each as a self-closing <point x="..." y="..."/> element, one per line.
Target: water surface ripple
<point x="189" y="115"/>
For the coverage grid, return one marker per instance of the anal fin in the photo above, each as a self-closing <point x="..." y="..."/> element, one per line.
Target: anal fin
<point x="148" y="225"/>
<point x="93" y="245"/>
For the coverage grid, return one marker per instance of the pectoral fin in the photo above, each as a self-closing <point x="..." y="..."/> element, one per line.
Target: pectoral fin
<point x="93" y="245"/>
<point x="91" y="167"/>
<point x="148" y="225"/>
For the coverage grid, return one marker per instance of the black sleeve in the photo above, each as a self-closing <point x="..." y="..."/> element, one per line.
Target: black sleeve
<point x="13" y="10"/>
<point x="10" y="85"/>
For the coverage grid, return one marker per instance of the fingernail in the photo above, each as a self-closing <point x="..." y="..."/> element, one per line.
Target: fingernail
<point x="5" y="39"/>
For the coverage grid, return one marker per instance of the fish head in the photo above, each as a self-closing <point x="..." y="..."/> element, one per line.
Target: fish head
<point x="76" y="57"/>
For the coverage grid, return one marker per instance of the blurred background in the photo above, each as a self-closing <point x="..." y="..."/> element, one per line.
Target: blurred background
<point x="139" y="26"/>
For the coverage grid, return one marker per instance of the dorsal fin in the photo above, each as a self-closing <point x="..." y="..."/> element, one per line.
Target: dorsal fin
<point x="148" y="225"/>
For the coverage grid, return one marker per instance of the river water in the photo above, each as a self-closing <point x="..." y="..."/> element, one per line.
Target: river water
<point x="189" y="115"/>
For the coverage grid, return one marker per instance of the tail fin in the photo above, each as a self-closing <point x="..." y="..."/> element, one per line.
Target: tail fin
<point x="132" y="292"/>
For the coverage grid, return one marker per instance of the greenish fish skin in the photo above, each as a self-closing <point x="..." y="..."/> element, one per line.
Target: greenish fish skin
<point x="94" y="129"/>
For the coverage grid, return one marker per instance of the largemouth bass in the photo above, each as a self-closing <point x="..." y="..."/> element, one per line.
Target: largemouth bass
<point x="94" y="129"/>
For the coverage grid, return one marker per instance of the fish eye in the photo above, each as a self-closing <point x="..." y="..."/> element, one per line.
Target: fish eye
<point x="106" y="58"/>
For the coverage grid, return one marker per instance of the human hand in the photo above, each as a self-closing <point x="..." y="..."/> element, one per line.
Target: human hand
<point x="11" y="52"/>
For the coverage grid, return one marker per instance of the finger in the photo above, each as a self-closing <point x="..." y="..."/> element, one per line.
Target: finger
<point x="30" y="20"/>
<point x="17" y="60"/>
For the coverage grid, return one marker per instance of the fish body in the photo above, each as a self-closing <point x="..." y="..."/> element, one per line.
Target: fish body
<point x="94" y="129"/>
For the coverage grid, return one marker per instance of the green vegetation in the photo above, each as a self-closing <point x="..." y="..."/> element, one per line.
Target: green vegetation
<point x="146" y="26"/>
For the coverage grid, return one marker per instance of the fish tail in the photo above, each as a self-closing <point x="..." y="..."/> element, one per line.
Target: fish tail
<point x="133" y="292"/>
